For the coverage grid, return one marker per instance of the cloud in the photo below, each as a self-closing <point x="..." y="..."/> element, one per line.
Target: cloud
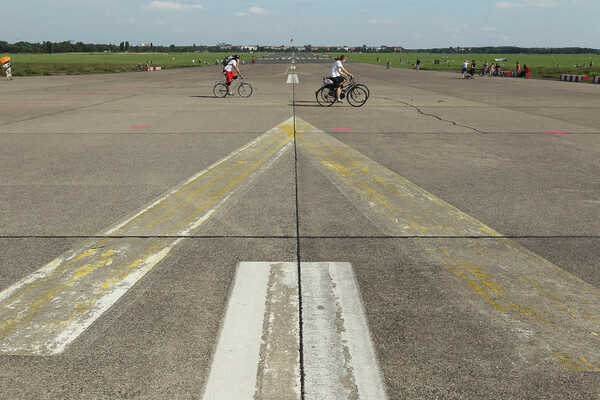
<point x="507" y="5"/>
<point x="380" y="21"/>
<point x="543" y="4"/>
<point x="171" y="6"/>
<point x="256" y="11"/>
<point x="458" y="28"/>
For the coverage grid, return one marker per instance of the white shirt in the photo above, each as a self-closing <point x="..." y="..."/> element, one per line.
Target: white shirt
<point x="466" y="65"/>
<point x="335" y="71"/>
<point x="230" y="65"/>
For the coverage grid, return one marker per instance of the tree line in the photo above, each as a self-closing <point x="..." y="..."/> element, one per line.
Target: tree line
<point x="510" y="50"/>
<point x="80" y="47"/>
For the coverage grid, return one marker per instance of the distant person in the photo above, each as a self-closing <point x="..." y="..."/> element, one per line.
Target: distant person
<point x="8" y="71"/>
<point x="388" y="64"/>
<point x="229" y="74"/>
<point x="465" y="68"/>
<point x="485" y="68"/>
<point x="497" y="71"/>
<point x="525" y="71"/>
<point x="337" y="76"/>
<point x="418" y="64"/>
<point x="518" y="68"/>
<point x="492" y="69"/>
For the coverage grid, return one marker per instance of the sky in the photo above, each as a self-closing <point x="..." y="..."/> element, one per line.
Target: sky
<point x="407" y="23"/>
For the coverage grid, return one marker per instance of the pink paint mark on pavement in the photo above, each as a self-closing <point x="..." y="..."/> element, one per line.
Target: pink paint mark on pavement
<point x="558" y="132"/>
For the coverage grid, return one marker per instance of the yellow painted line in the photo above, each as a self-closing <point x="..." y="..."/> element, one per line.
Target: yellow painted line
<point x="413" y="211"/>
<point x="46" y="311"/>
<point x="555" y="310"/>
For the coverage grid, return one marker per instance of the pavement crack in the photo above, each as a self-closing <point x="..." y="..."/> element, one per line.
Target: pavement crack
<point x="433" y="115"/>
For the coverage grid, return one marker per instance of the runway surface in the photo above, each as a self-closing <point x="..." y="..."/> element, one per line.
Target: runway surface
<point x="442" y="241"/>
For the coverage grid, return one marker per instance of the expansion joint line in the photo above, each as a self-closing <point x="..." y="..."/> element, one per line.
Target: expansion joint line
<point x="298" y="253"/>
<point x="295" y="236"/>
<point x="433" y="115"/>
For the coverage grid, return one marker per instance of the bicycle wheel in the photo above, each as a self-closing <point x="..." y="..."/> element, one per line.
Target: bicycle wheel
<point x="325" y="97"/>
<point x="220" y="90"/>
<point x="245" y="90"/>
<point x="357" y="96"/>
<point x="366" y="89"/>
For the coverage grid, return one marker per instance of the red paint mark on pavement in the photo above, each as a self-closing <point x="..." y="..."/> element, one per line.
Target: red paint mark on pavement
<point x="558" y="132"/>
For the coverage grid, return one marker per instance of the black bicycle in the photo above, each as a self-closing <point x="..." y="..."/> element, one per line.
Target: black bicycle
<point x="356" y="93"/>
<point x="244" y="89"/>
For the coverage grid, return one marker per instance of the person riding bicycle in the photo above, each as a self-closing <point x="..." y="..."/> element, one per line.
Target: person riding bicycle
<point x="336" y="75"/>
<point x="229" y="74"/>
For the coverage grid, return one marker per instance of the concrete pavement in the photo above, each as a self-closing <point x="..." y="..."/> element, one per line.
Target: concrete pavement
<point x="508" y="309"/>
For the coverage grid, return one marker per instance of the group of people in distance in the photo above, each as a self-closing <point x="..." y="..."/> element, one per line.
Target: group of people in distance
<point x="468" y="70"/>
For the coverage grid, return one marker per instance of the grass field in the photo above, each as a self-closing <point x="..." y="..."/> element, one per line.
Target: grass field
<point x="541" y="65"/>
<point x="84" y="63"/>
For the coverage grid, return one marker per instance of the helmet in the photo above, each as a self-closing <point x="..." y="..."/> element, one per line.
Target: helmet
<point x="236" y="57"/>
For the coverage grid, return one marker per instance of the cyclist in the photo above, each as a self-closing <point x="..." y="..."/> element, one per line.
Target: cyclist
<point x="229" y="74"/>
<point x="336" y="75"/>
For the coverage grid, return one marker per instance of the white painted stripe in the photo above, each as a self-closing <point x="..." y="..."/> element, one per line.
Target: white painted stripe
<point x="293" y="78"/>
<point x="339" y="359"/>
<point x="259" y="342"/>
<point x="243" y="366"/>
<point x="356" y="333"/>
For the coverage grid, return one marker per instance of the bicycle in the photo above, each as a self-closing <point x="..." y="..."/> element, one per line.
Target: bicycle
<point x="356" y="93"/>
<point x="244" y="89"/>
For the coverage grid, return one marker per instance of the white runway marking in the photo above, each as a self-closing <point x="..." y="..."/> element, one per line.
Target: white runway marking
<point x="260" y="339"/>
<point x="257" y="356"/>
<point x="293" y="78"/>
<point x="339" y="359"/>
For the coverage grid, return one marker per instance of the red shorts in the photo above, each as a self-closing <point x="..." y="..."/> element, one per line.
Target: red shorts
<point x="229" y="76"/>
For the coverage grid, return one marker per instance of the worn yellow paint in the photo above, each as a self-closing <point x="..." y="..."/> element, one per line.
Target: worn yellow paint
<point x="479" y="266"/>
<point x="209" y="181"/>
<point x="381" y="186"/>
<point x="71" y="286"/>
<point x="84" y="254"/>
<point x="575" y="363"/>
